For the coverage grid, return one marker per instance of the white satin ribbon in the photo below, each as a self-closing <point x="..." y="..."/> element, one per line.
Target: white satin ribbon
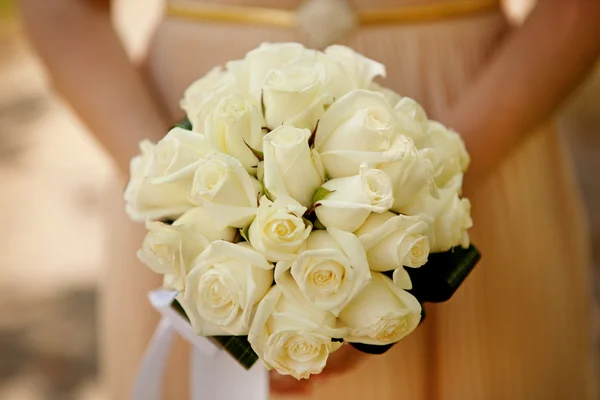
<point x="214" y="374"/>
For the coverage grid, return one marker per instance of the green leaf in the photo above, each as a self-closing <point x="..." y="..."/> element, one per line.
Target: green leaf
<point x="258" y="154"/>
<point x="238" y="347"/>
<point x="442" y="275"/>
<point x="263" y="108"/>
<point x="267" y="193"/>
<point x="263" y="190"/>
<point x="184" y="124"/>
<point x="372" y="348"/>
<point x="177" y="307"/>
<point x="321" y="194"/>
<point x="318" y="225"/>
<point x="245" y="232"/>
<point x="308" y="222"/>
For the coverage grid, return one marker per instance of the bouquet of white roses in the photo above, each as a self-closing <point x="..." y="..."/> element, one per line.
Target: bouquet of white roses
<point x="301" y="206"/>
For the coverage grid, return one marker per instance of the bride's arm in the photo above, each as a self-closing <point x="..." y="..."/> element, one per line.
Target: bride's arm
<point x="91" y="70"/>
<point x="526" y="80"/>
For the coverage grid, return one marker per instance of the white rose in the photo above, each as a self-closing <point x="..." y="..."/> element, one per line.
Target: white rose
<point x="328" y="274"/>
<point x="226" y="190"/>
<point x="279" y="230"/>
<point x="392" y="241"/>
<point x="358" y="128"/>
<point x="411" y="173"/>
<point x="391" y="96"/>
<point x="414" y="110"/>
<point x="173" y="283"/>
<point x="355" y="70"/>
<point x="395" y="241"/>
<point x="381" y="313"/>
<point x="216" y="82"/>
<point x="352" y="199"/>
<point x="177" y="155"/>
<point x="412" y="119"/>
<point x="146" y="199"/>
<point x="296" y="93"/>
<point x="223" y="288"/>
<point x="450" y="148"/>
<point x="290" y="167"/>
<point x="451" y="215"/>
<point x="293" y="338"/>
<point x="170" y="249"/>
<point x="258" y="63"/>
<point x="234" y="127"/>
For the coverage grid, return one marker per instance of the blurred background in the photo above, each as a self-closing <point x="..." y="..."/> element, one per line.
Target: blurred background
<point x="51" y="175"/>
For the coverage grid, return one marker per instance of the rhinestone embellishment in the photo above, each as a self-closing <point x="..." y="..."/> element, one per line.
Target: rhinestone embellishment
<point x="324" y="22"/>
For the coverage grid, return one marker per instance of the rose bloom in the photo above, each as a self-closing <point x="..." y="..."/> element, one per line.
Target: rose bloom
<point x="381" y="313"/>
<point x="293" y="338"/>
<point x="329" y="273"/>
<point x="279" y="230"/>
<point x="223" y="288"/>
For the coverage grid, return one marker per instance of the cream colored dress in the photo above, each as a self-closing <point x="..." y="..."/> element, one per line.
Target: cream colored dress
<point x="519" y="329"/>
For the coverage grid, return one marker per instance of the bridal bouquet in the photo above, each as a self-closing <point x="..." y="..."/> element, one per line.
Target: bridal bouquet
<point x="301" y="206"/>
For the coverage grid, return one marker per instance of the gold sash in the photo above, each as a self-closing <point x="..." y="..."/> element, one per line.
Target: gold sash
<point x="402" y="14"/>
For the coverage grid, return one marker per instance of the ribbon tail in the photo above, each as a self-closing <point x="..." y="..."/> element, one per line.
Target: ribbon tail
<point x="148" y="383"/>
<point x="213" y="377"/>
<point x="214" y="374"/>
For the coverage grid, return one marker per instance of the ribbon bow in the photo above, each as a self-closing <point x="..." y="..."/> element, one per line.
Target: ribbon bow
<point x="214" y="374"/>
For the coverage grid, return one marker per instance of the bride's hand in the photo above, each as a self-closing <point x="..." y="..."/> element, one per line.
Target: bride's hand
<point x="339" y="363"/>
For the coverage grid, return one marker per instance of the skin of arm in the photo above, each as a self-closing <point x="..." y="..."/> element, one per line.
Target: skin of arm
<point x="90" y="69"/>
<point x="526" y="80"/>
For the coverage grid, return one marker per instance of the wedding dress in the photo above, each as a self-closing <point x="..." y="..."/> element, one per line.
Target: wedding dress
<point x="518" y="329"/>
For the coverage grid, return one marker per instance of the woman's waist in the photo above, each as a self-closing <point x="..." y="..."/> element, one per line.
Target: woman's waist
<point x="421" y="58"/>
<point x="294" y="4"/>
<point x="318" y="15"/>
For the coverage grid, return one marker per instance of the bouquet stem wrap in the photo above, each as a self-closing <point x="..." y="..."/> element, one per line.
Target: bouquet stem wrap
<point x="213" y="371"/>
